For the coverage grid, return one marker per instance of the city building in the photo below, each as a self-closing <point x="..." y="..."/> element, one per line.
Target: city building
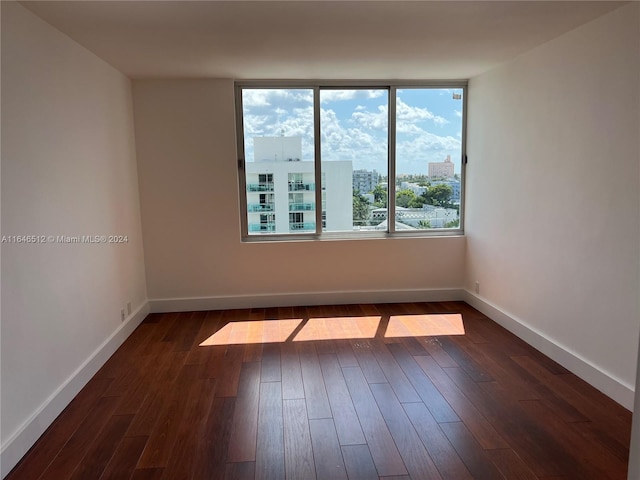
<point x="281" y="188"/>
<point x="441" y="169"/>
<point x="414" y="187"/>
<point x="364" y="181"/>
<point x="277" y="149"/>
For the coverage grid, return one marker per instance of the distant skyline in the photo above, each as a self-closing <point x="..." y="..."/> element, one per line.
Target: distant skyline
<point x="354" y="125"/>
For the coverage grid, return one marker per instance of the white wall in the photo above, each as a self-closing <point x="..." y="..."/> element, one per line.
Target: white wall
<point x="68" y="168"/>
<point x="185" y="140"/>
<point x="552" y="197"/>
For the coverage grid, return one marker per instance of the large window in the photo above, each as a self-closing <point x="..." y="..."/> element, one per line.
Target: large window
<point x="350" y="160"/>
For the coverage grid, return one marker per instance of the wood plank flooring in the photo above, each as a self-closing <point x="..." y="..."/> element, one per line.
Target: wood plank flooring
<point x="352" y="401"/>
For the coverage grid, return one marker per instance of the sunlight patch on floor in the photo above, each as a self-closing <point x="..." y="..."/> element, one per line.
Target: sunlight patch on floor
<point x="427" y="325"/>
<point x="260" y="331"/>
<point x="336" y="328"/>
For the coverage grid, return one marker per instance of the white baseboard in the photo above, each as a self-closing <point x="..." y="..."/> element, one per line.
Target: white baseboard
<point x="29" y="432"/>
<point x="607" y="383"/>
<point x="303" y="299"/>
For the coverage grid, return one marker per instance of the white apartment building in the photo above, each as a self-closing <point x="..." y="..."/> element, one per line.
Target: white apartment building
<point x="277" y="149"/>
<point x="414" y="187"/>
<point x="281" y="190"/>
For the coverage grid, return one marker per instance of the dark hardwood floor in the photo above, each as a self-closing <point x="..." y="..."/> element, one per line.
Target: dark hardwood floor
<point x="416" y="400"/>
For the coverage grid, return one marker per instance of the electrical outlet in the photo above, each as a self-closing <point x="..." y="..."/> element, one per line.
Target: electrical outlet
<point x="128" y="308"/>
<point x="122" y="315"/>
<point x="477" y="287"/>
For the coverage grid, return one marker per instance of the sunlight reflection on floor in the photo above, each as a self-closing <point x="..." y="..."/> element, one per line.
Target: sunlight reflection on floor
<point x="424" y="325"/>
<point x="335" y="328"/>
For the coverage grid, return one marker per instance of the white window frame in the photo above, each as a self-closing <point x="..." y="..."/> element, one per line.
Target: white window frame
<point x="316" y="86"/>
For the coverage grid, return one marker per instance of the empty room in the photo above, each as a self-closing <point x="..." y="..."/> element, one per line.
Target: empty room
<point x="301" y="240"/>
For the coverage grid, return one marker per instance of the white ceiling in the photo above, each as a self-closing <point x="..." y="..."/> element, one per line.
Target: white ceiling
<point x="313" y="39"/>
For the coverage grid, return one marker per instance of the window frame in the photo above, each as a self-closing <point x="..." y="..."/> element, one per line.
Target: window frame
<point x="316" y="86"/>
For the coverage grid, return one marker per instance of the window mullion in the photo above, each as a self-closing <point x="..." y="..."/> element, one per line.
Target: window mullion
<point x="317" y="158"/>
<point x="463" y="158"/>
<point x="391" y="167"/>
<point x="242" y="179"/>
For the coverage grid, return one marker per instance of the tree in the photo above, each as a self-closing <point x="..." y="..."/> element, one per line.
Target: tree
<point x="380" y="196"/>
<point x="417" y="202"/>
<point x="452" y="224"/>
<point x="424" y="224"/>
<point x="360" y="209"/>
<point x="405" y="197"/>
<point x="439" y="195"/>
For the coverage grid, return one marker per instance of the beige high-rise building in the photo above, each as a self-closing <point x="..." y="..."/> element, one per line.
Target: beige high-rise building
<point x="441" y="169"/>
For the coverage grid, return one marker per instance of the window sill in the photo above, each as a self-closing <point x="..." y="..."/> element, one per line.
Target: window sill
<point x="346" y="236"/>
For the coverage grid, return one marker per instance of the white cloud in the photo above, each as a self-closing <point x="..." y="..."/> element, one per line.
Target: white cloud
<point x="340" y="95"/>
<point x="372" y="120"/>
<point x="342" y="143"/>
<point x="295" y="95"/>
<point x="407" y="118"/>
<point x="289" y="122"/>
<point x="458" y="113"/>
<point x="254" y="124"/>
<point x="407" y="113"/>
<point x="425" y="147"/>
<point x="255" y="98"/>
<point x="265" y="97"/>
<point x="409" y="128"/>
<point x="359" y="136"/>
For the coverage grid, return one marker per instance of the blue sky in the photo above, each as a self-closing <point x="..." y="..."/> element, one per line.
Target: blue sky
<point x="354" y="125"/>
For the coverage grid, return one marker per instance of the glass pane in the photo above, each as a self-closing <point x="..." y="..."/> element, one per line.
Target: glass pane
<point x="354" y="151"/>
<point x="428" y="158"/>
<point x="278" y="145"/>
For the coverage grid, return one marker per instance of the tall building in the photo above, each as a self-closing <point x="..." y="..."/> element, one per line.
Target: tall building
<point x="277" y="149"/>
<point x="365" y="181"/>
<point x="441" y="169"/>
<point x="281" y="189"/>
